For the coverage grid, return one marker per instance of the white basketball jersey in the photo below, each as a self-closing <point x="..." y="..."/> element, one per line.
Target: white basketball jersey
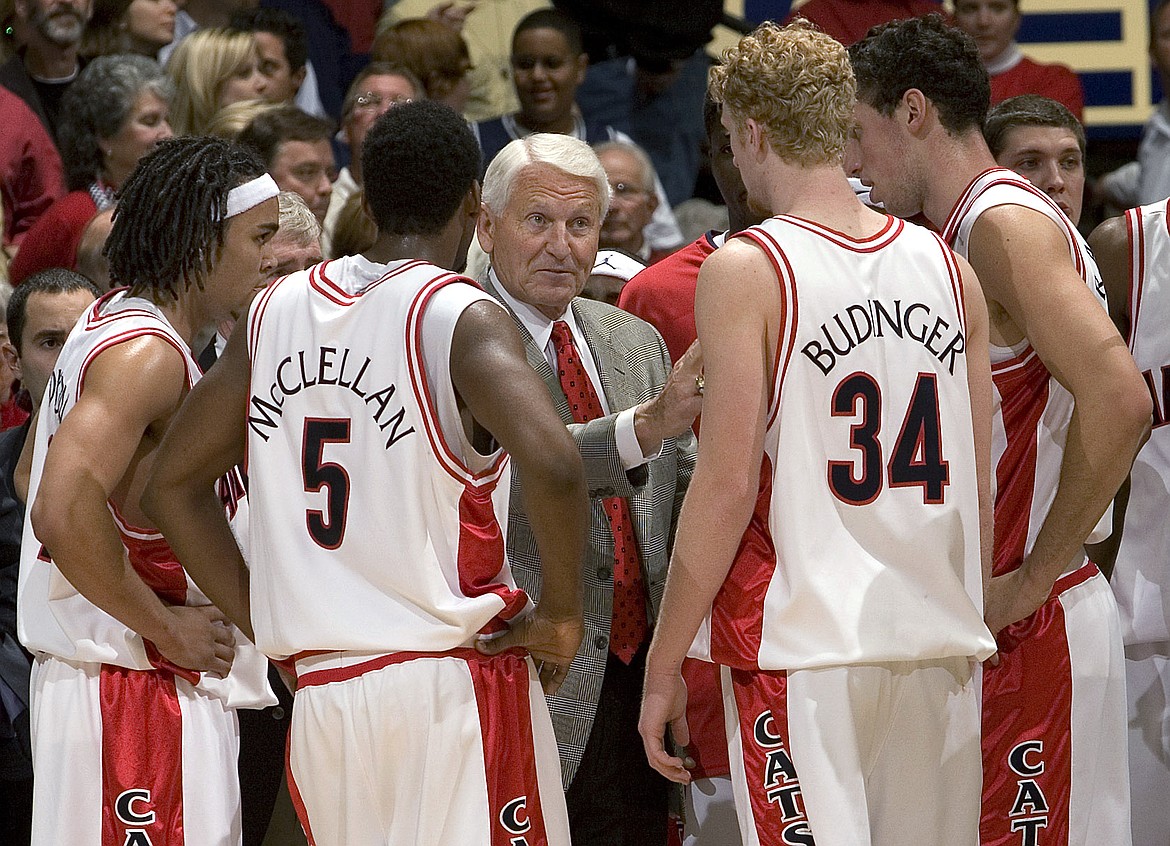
<point x="1141" y="576"/>
<point x="375" y="526"/>
<point x="1032" y="409"/>
<point x="52" y="616"/>
<point x="864" y="543"/>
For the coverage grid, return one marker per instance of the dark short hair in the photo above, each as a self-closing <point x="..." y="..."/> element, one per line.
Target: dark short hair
<point x="1028" y="110"/>
<point x="273" y="127"/>
<point x="419" y="161"/>
<point x="551" y="19"/>
<point x="55" y="280"/>
<point x="169" y="223"/>
<point x="927" y="54"/>
<point x="280" y="23"/>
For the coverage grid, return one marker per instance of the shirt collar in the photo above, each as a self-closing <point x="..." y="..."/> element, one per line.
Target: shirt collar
<point x="539" y="326"/>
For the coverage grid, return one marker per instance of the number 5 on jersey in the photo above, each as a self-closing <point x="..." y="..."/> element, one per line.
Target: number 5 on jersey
<point x="326" y="527"/>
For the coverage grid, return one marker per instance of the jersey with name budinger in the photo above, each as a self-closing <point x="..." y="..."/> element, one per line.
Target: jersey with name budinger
<point x="864" y="543"/>
<point x="1032" y="409"/>
<point x="375" y="526"/>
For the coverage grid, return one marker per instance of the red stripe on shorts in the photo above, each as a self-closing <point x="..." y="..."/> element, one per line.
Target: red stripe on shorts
<point x="294" y="792"/>
<point x="1027" y="743"/>
<point x="142" y="757"/>
<point x="761" y="698"/>
<point x="501" y="692"/>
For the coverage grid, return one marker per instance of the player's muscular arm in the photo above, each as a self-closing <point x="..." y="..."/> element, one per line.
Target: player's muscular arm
<point x="129" y="388"/>
<point x="505" y="396"/>
<point x="205" y="440"/>
<point x="979" y="386"/>
<point x="1024" y="265"/>
<point x="736" y="293"/>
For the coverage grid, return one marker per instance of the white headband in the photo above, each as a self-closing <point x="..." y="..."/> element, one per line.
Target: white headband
<point x="250" y="194"/>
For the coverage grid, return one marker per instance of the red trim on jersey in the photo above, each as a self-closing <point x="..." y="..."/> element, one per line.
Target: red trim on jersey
<point x="130" y="335"/>
<point x="950" y="229"/>
<point x="1135" y="231"/>
<point x="737" y="613"/>
<point x="256" y="314"/>
<point x="1024" y="392"/>
<point x="773" y="785"/>
<point x="352" y="671"/>
<point x="294" y="792"/>
<point x="956" y="277"/>
<point x="1031" y="732"/>
<point x="481" y="559"/>
<point x="870" y="244"/>
<point x="509" y="750"/>
<point x="789" y="313"/>
<point x="446" y="457"/>
<point x="1008" y="177"/>
<point x="1070" y="580"/>
<point x="142" y="757"/>
<point x="320" y="282"/>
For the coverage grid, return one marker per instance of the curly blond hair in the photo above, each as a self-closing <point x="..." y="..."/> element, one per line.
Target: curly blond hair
<point x="797" y="83"/>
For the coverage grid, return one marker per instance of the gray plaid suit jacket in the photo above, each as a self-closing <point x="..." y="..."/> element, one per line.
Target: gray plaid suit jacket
<point x="633" y="364"/>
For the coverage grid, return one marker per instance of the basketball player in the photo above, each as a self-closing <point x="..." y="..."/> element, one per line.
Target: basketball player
<point x="835" y="515"/>
<point x="133" y="706"/>
<point x="1133" y="251"/>
<point x="1070" y="411"/>
<point x="378" y="391"/>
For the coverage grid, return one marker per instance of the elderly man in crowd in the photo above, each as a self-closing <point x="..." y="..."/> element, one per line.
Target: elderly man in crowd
<point x="609" y="374"/>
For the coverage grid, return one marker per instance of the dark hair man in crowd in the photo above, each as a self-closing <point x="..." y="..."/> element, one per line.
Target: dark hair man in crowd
<point x="296" y="151"/>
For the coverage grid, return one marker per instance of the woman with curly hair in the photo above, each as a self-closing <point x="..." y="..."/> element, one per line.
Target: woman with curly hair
<point x="115" y="113"/>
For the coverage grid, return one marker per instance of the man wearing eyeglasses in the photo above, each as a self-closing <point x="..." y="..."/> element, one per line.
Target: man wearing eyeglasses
<point x="378" y="87"/>
<point x="631" y="182"/>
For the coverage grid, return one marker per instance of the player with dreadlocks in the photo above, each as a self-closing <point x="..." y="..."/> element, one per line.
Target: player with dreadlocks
<point x="137" y="675"/>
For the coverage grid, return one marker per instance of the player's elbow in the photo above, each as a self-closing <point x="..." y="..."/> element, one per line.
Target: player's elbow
<point x="556" y="469"/>
<point x="49" y="518"/>
<point x="1132" y="408"/>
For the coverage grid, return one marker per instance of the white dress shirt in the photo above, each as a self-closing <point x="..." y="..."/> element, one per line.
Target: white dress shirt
<point x="540" y="328"/>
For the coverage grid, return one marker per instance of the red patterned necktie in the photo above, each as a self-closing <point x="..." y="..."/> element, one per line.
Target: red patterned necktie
<point x="628" y="626"/>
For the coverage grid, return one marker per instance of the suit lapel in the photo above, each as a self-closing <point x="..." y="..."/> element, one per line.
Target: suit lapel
<point x="611" y="365"/>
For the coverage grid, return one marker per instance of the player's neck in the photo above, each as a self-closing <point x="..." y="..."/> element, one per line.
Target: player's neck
<point x="389" y="248"/>
<point x="822" y="194"/>
<point x="953" y="167"/>
<point x="184" y="317"/>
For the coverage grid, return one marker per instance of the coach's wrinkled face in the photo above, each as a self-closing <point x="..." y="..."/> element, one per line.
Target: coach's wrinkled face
<point x="544" y="242"/>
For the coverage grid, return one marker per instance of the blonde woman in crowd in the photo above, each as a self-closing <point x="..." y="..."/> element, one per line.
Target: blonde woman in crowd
<point x="212" y="68"/>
